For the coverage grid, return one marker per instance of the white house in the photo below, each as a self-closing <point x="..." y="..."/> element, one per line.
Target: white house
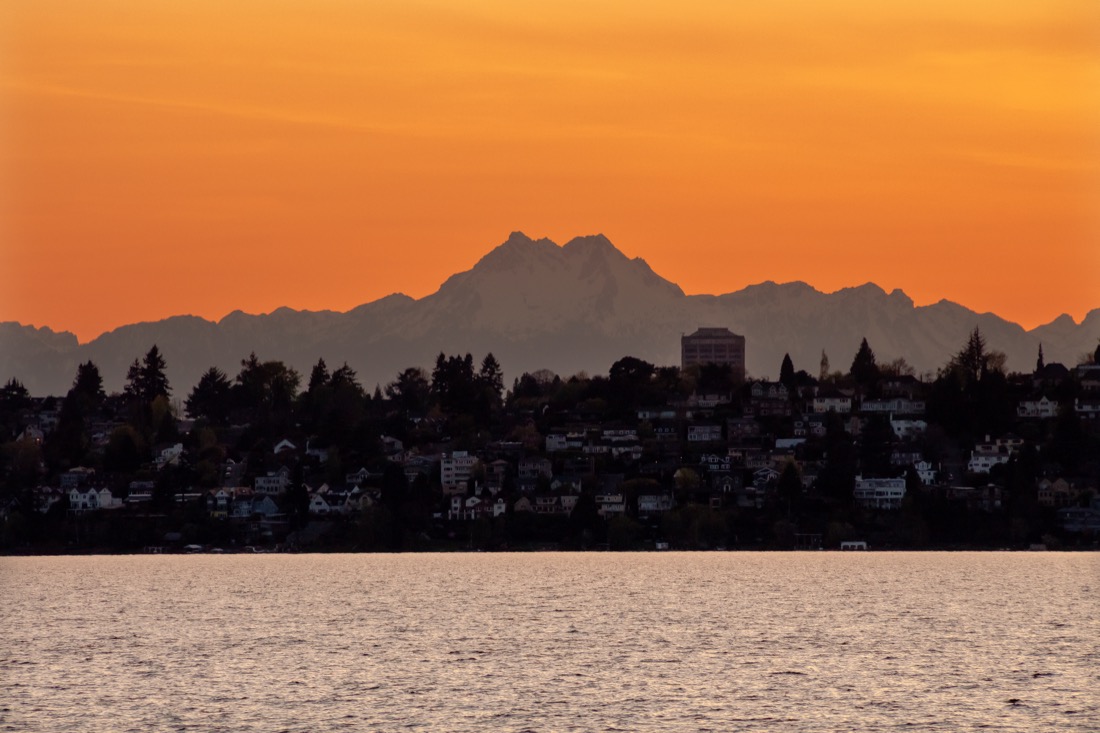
<point x="89" y="499"/>
<point x="879" y="493"/>
<point x="272" y="483"/>
<point x="610" y="505"/>
<point x="170" y="456"/>
<point x="704" y="433"/>
<point x="832" y="402"/>
<point x="654" y="503"/>
<point x="984" y="462"/>
<point x="926" y="471"/>
<point x="907" y="429"/>
<point x="556" y="442"/>
<point x="991" y="453"/>
<point x="1040" y="408"/>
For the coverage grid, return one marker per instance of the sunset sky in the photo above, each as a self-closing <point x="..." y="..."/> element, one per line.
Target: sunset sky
<point x="161" y="158"/>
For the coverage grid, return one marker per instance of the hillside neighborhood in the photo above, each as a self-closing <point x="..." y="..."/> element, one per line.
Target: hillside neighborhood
<point x="695" y="456"/>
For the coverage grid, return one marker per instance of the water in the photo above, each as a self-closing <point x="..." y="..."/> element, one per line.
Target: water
<point x="552" y="642"/>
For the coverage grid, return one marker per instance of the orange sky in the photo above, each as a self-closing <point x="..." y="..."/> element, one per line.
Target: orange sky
<point x="160" y="158"/>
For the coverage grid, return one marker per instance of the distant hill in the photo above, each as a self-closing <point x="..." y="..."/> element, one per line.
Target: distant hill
<point x="536" y="305"/>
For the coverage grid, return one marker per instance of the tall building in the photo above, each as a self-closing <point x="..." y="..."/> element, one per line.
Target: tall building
<point x="714" y="345"/>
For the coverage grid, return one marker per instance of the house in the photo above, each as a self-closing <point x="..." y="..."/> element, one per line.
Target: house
<point x="533" y="468"/>
<point x="768" y="391"/>
<point x="810" y="427"/>
<point x="788" y="443"/>
<point x="649" y="504"/>
<point x="357" y="478"/>
<point x="547" y="504"/>
<point x="704" y="433"/>
<point x="456" y="508"/>
<point x="986" y="455"/>
<point x="75" y="477"/>
<point x="712" y="462"/>
<point x="897" y="406"/>
<point x="926" y="471"/>
<point x="740" y="428"/>
<point x="1087" y="408"/>
<point x="273" y="483"/>
<point x="219" y="502"/>
<point x="768" y="399"/>
<point x="610" y="505"/>
<point x="32" y="434"/>
<point x="627" y="452"/>
<point x="319" y="504"/>
<point x="708" y="401"/>
<point x="1057" y="493"/>
<point x="392" y="447"/>
<point x="764" y="477"/>
<point x="284" y="446"/>
<point x="169" y="456"/>
<point x="556" y="442"/>
<point x="666" y="434"/>
<point x="83" y="500"/>
<point x="982" y="498"/>
<point x="46" y="497"/>
<point x="727" y="483"/>
<point x="902" y="385"/>
<point x="1081" y="519"/>
<point x="265" y="506"/>
<point x="879" y="493"/>
<point x="907" y="429"/>
<point x="832" y="401"/>
<point x="1041" y="408"/>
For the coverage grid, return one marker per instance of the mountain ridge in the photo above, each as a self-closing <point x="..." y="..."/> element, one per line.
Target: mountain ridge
<point x="536" y="304"/>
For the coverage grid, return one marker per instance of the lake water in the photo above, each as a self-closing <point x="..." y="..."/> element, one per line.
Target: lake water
<point x="552" y="642"/>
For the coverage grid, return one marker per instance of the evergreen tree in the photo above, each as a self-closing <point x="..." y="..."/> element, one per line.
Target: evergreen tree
<point x="789" y="487"/>
<point x="210" y="399"/>
<point x="410" y="390"/>
<point x="88" y="385"/>
<point x="265" y="392"/>
<point x="786" y="372"/>
<point x="146" y="380"/>
<point x="864" y="368"/>
<point x="971" y="363"/>
<point x="491" y="374"/>
<point x="69" y="443"/>
<point x="14" y="398"/>
<point x="319" y="377"/>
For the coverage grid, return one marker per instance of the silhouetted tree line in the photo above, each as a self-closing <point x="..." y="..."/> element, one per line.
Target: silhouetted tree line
<point x="463" y="405"/>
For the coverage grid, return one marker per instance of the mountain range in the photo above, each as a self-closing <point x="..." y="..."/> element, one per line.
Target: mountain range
<point x="538" y="305"/>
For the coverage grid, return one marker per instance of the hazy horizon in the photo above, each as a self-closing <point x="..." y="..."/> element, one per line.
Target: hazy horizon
<point x="322" y="309"/>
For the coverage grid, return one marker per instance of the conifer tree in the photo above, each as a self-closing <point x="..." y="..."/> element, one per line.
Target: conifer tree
<point x="864" y="368"/>
<point x="786" y="372"/>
